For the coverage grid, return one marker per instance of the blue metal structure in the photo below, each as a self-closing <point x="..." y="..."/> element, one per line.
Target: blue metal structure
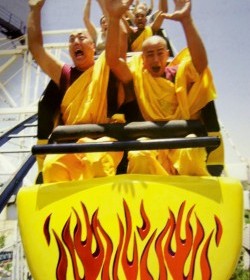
<point x="12" y="186"/>
<point x="11" y="25"/>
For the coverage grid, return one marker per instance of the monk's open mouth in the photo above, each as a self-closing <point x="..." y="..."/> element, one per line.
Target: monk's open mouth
<point x="78" y="53"/>
<point x="156" y="69"/>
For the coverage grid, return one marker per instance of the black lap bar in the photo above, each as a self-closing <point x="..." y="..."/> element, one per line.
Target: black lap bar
<point x="129" y="131"/>
<point x="131" y="145"/>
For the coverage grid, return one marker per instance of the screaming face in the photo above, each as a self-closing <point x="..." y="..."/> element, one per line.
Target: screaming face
<point x="81" y="49"/>
<point x="155" y="55"/>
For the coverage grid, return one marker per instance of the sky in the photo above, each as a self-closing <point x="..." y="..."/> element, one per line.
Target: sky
<point x="224" y="28"/>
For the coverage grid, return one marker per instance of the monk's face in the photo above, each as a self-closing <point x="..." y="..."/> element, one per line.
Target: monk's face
<point x="155" y="55"/>
<point x="81" y="49"/>
<point x="140" y="18"/>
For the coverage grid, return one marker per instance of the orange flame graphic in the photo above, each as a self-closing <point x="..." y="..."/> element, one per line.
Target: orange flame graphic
<point x="108" y="258"/>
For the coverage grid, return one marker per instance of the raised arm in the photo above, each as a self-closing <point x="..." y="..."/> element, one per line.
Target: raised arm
<point x="196" y="47"/>
<point x="88" y="23"/>
<point x="163" y="6"/>
<point x="103" y="7"/>
<point x="49" y="64"/>
<point x="115" y="10"/>
<point x="157" y="22"/>
<point x="151" y="6"/>
<point x="157" y="16"/>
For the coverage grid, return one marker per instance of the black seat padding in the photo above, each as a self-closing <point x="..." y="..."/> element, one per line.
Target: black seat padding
<point x="133" y="130"/>
<point x="48" y="110"/>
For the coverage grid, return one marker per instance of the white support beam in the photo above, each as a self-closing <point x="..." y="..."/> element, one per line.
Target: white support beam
<point x="9" y="99"/>
<point x="19" y="110"/>
<point x="8" y="63"/>
<point x="11" y="52"/>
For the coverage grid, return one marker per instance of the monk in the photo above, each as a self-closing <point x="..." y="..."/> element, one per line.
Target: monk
<point x="84" y="87"/>
<point x="178" y="90"/>
<point x="142" y="30"/>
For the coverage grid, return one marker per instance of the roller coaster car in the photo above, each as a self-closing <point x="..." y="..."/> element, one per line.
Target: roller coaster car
<point x="133" y="226"/>
<point x="48" y="115"/>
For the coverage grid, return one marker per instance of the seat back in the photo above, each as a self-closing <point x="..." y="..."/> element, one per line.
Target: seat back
<point x="48" y="110"/>
<point x="215" y="161"/>
<point x="48" y="117"/>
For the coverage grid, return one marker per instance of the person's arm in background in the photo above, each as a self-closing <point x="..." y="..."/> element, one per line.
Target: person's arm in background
<point x="88" y="23"/>
<point x="157" y="22"/>
<point x="195" y="44"/>
<point x="151" y="6"/>
<point x="103" y="7"/>
<point x="48" y="63"/>
<point x="126" y="25"/>
<point x="136" y="2"/>
<point x="123" y="38"/>
<point x="163" y="6"/>
<point x="117" y="63"/>
<point x="129" y="16"/>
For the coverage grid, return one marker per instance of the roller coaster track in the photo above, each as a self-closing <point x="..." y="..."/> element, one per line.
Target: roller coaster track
<point x="14" y="183"/>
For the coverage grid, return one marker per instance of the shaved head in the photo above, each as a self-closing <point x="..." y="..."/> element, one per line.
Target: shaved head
<point x="152" y="41"/>
<point x="155" y="55"/>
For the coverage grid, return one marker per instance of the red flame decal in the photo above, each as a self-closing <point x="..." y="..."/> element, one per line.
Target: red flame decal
<point x="130" y="267"/>
<point x="145" y="274"/>
<point x="144" y="230"/>
<point x="46" y="229"/>
<point x="159" y="251"/>
<point x="118" y="252"/>
<point x="218" y="230"/>
<point x="98" y="254"/>
<point x="204" y="262"/>
<point x="62" y="265"/>
<point x="183" y="246"/>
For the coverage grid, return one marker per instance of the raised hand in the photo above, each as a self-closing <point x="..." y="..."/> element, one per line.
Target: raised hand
<point x="36" y="3"/>
<point x="117" y="8"/>
<point x="181" y="12"/>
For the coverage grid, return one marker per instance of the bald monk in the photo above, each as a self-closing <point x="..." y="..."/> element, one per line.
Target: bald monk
<point x="178" y="90"/>
<point x="84" y="87"/>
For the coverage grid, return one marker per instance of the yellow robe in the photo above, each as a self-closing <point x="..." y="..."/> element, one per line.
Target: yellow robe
<point x="137" y="44"/>
<point x="162" y="100"/>
<point x="84" y="102"/>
